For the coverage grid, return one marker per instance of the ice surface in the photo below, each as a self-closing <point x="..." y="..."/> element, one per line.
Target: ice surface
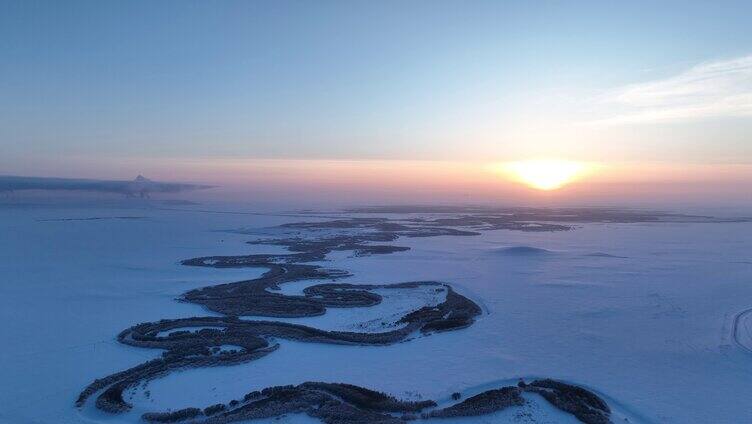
<point x="649" y="316"/>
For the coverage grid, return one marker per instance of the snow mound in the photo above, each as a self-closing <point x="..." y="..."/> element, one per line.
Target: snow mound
<point x="523" y="251"/>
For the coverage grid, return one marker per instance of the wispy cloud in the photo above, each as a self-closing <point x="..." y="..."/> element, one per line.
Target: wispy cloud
<point x="712" y="89"/>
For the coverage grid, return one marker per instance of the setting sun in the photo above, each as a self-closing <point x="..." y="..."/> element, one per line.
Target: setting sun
<point x="548" y="174"/>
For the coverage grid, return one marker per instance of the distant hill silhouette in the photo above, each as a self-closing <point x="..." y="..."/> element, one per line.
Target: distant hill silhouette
<point x="139" y="187"/>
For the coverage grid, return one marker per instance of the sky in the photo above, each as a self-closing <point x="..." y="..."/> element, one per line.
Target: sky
<point x="356" y="94"/>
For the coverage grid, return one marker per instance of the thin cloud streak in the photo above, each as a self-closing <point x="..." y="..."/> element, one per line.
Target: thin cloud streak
<point x="708" y="90"/>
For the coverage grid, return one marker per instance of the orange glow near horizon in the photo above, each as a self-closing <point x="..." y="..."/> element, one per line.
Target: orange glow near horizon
<point x="369" y="181"/>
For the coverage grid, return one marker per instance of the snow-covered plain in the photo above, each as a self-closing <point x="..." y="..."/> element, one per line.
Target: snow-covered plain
<point x="649" y="316"/>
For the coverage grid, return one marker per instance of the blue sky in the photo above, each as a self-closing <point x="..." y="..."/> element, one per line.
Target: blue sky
<point x="359" y="80"/>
